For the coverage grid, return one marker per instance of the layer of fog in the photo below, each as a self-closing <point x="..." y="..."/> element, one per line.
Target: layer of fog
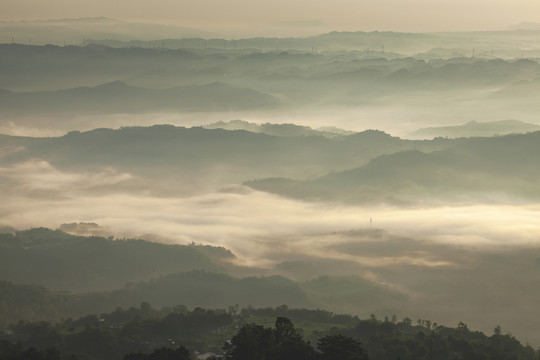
<point x="35" y="193"/>
<point x="250" y="223"/>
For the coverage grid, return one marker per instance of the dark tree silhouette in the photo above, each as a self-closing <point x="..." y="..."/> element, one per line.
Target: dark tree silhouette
<point x="341" y="347"/>
<point x="252" y="342"/>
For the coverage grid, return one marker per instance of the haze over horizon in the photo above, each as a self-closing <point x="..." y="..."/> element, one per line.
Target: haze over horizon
<point x="282" y="18"/>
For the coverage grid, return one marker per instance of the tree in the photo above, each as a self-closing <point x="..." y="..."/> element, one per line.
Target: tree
<point x="288" y="343"/>
<point x="407" y="322"/>
<point x="233" y="309"/>
<point x="341" y="347"/>
<point x="9" y="351"/>
<point x="146" y="309"/>
<point x="285" y="331"/>
<point x="255" y="342"/>
<point x="252" y="342"/>
<point x="462" y="328"/>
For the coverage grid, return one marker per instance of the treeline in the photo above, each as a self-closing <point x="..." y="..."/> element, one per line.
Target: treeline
<point x="316" y="316"/>
<point x="146" y="333"/>
<point x="283" y="342"/>
<point x="111" y="336"/>
<point x="424" y="340"/>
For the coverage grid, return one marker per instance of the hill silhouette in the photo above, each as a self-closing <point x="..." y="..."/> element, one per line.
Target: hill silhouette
<point x="487" y="169"/>
<point x="119" y="97"/>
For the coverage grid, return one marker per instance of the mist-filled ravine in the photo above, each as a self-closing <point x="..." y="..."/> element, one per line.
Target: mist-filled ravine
<point x="312" y="172"/>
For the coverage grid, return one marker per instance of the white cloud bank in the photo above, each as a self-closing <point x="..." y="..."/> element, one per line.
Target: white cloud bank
<point x="260" y="228"/>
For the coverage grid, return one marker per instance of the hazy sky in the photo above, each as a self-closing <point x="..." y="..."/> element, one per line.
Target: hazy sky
<point x="369" y="15"/>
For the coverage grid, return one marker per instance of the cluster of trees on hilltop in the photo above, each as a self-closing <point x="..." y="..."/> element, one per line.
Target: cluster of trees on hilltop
<point x="145" y="333"/>
<point x="284" y="343"/>
<point x="426" y="340"/>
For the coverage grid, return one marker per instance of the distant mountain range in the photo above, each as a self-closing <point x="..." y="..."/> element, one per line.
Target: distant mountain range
<point x="74" y="31"/>
<point x="475" y="128"/>
<point x="85" y="82"/>
<point x="287" y="130"/>
<point x="527" y="25"/>
<point x="119" y="97"/>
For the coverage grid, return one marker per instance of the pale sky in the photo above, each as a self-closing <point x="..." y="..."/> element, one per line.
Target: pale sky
<point x="367" y="15"/>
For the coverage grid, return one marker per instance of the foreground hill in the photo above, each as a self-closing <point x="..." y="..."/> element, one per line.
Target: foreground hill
<point x="99" y="274"/>
<point x="194" y="289"/>
<point x="243" y="333"/>
<point x="358" y="272"/>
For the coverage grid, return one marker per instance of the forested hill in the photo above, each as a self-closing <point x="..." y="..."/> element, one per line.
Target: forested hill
<point x="370" y="166"/>
<point x="487" y="169"/>
<point x="198" y="156"/>
<point x="194" y="289"/>
<point x="50" y="275"/>
<point x="60" y="261"/>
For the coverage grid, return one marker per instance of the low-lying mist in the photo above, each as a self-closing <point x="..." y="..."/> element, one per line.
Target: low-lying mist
<point x="237" y="216"/>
